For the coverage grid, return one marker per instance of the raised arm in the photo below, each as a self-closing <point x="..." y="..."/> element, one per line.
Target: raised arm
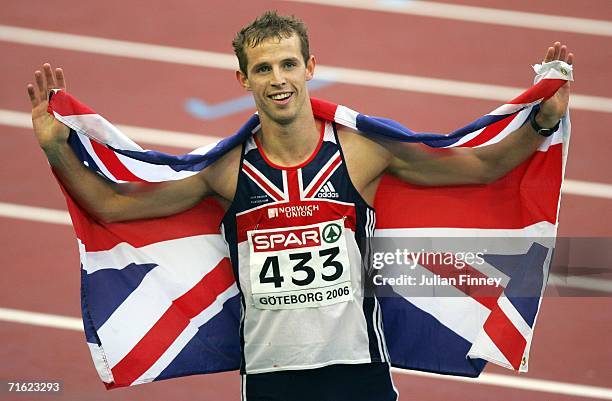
<point x="421" y="165"/>
<point x="106" y="201"/>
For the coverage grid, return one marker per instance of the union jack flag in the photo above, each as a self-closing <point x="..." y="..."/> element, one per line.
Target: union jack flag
<point x="159" y="298"/>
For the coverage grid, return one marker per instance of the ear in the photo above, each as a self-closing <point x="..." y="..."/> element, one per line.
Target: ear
<point x="310" y="67"/>
<point x="243" y="80"/>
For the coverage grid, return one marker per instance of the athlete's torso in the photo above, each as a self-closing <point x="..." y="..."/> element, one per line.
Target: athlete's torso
<point x="296" y="238"/>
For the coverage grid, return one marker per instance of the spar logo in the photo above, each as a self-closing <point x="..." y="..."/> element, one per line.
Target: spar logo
<point x="331" y="233"/>
<point x="290" y="238"/>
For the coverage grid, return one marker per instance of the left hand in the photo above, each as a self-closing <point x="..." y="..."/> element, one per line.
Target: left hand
<point x="553" y="108"/>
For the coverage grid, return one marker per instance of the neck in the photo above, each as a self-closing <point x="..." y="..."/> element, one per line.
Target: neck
<point x="289" y="144"/>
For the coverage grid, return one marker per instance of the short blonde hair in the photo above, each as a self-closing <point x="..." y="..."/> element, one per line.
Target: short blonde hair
<point x="269" y="25"/>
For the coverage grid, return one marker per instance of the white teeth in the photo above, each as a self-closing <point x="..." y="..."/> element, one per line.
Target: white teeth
<point x="281" y="96"/>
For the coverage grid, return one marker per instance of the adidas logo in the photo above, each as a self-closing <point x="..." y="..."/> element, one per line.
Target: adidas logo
<point x="327" y="191"/>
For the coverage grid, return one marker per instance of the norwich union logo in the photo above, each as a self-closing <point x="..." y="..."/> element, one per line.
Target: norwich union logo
<point x="331" y="233"/>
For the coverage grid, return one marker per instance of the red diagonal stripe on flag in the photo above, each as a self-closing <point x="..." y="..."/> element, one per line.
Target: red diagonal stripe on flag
<point x="506" y="337"/>
<point x="172" y="323"/>
<point x="486" y="295"/>
<point x="489" y="133"/>
<point x="542" y="90"/>
<point x="503" y="333"/>
<point x="113" y="164"/>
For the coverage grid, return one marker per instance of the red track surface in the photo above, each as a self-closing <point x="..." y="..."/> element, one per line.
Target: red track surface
<point x="40" y="261"/>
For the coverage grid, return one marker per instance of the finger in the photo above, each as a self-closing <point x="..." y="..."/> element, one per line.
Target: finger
<point x="570" y="58"/>
<point x="32" y="95"/>
<point x="59" y="78"/>
<point x="40" y="83"/>
<point x="563" y="53"/>
<point x="549" y="54"/>
<point x="557" y="47"/>
<point x="49" y="76"/>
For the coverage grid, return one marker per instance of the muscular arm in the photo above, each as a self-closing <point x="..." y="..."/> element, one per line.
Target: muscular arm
<point x="421" y="165"/>
<point x="111" y="202"/>
<point x="106" y="201"/>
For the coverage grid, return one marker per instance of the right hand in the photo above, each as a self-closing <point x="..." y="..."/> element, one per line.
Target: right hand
<point x="555" y="107"/>
<point x="51" y="134"/>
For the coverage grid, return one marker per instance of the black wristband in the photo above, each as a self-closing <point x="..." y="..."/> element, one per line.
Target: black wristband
<point x="546" y="132"/>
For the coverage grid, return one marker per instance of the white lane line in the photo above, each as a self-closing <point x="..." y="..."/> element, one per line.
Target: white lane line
<point x="581" y="283"/>
<point x="492" y="379"/>
<point x="40" y="214"/>
<point x="191" y="141"/>
<point x="349" y="76"/>
<point x="55" y="216"/>
<point x="584" y="188"/>
<point x="41" y="319"/>
<point x="494" y="16"/>
<point x="447" y="87"/>
<point x="522" y="383"/>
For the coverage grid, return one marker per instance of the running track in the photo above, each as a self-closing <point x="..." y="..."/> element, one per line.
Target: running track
<point x="40" y="261"/>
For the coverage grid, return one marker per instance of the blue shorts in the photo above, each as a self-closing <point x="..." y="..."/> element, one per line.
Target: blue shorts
<point x="362" y="382"/>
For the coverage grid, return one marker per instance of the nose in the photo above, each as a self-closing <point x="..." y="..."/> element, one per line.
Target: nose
<point x="278" y="78"/>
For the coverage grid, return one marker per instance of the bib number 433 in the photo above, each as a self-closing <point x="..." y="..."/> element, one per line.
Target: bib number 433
<point x="270" y="272"/>
<point x="300" y="267"/>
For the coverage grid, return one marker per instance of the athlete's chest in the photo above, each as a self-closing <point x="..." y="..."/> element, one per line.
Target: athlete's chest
<point x="295" y="230"/>
<point x="319" y="190"/>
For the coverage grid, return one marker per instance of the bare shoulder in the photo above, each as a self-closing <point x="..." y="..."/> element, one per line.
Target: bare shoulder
<point x="365" y="158"/>
<point x="356" y="141"/>
<point x="222" y="175"/>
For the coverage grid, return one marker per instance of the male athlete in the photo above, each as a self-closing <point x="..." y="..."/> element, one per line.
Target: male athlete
<point x="307" y="331"/>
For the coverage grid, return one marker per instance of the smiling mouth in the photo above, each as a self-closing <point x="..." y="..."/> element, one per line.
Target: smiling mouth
<point x="281" y="97"/>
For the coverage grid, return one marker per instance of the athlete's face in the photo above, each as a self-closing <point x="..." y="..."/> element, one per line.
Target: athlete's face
<point x="277" y="75"/>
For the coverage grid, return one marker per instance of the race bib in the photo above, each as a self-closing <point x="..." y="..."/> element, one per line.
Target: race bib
<point x="300" y="267"/>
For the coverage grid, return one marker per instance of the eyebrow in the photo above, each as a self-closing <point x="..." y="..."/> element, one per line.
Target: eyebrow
<point x="295" y="59"/>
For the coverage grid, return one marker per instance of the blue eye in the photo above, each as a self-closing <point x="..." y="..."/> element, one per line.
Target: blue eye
<point x="263" y="68"/>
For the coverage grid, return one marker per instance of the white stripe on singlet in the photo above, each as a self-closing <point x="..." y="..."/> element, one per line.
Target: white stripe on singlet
<point x="369" y="232"/>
